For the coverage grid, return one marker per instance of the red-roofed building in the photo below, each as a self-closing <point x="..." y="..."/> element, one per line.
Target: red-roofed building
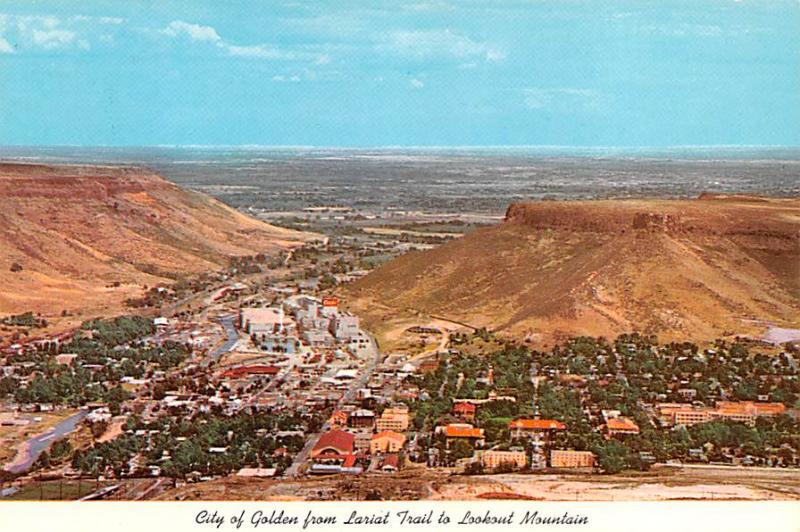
<point x="280" y="451"/>
<point x="465" y="411"/>
<point x="526" y="428"/>
<point x="746" y="411"/>
<point x="462" y="431"/>
<point x="333" y="443"/>
<point x="391" y="463"/>
<point x="248" y="371"/>
<point x="621" y="426"/>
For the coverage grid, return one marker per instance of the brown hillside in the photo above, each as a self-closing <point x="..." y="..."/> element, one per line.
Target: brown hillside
<point x="681" y="269"/>
<point x="76" y="230"/>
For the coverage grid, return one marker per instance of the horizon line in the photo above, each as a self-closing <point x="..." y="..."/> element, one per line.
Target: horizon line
<point x="409" y="146"/>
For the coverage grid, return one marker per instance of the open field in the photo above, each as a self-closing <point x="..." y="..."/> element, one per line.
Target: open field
<point x="420" y="483"/>
<point x="55" y="490"/>
<point x="661" y="485"/>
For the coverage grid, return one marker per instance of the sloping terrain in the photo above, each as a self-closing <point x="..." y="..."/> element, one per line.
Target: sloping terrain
<point x="90" y="236"/>
<point x="677" y="268"/>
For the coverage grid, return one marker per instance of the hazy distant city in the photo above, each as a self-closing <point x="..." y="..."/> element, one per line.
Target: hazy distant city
<point x="441" y="181"/>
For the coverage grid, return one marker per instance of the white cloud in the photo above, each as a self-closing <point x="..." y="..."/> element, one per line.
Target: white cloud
<point x="428" y="6"/>
<point x="417" y="84"/>
<point x="260" y="50"/>
<point x="111" y="20"/>
<point x="115" y="21"/>
<point x="292" y="79"/>
<point x="47" y="32"/>
<point x="494" y="55"/>
<point x="50" y="39"/>
<point x="436" y="43"/>
<point x="5" y="46"/>
<point x="195" y="32"/>
<point x="562" y="99"/>
<point x="207" y="34"/>
<point x="681" y="30"/>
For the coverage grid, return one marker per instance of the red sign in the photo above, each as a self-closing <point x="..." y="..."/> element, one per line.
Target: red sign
<point x="330" y="301"/>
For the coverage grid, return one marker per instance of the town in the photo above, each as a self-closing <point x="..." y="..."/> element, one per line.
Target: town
<point x="257" y="372"/>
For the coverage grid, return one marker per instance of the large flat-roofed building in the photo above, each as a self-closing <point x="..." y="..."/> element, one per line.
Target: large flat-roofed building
<point x="569" y="459"/>
<point x="345" y="326"/>
<point x="671" y="414"/>
<point x="746" y="412"/>
<point x="361" y="419"/>
<point x="396" y="419"/>
<point x="387" y="441"/>
<point x="265" y="321"/>
<point x="494" y="459"/>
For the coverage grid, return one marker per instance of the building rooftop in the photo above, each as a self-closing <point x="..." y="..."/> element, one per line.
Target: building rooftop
<point x="536" y="424"/>
<point x="464" y="408"/>
<point x="389" y="434"/>
<point x="622" y="424"/>
<point x="462" y="430"/>
<point x="336" y="439"/>
<point x="242" y="371"/>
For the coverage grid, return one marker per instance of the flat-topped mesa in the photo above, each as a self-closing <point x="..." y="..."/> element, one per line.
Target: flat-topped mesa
<point x="85" y="238"/>
<point x="706" y="216"/>
<point x="597" y="218"/>
<point x="19" y="180"/>
<point x="682" y="269"/>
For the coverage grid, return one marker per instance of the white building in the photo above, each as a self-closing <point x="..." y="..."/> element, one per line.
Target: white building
<point x="345" y="327"/>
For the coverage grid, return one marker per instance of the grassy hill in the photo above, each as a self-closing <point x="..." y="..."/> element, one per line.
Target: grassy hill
<point x="78" y="237"/>
<point x="677" y="268"/>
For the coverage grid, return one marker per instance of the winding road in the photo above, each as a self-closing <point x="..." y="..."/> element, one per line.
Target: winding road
<point x="34" y="446"/>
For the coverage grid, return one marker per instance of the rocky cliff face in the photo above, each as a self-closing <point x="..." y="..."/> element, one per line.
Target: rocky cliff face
<point x="677" y="268"/>
<point x="709" y="215"/>
<point x="71" y="231"/>
<point x="77" y="182"/>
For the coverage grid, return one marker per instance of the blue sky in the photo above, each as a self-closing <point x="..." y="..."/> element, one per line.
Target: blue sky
<point x="413" y="73"/>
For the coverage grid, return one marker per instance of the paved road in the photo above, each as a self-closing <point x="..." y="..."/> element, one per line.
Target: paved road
<point x="302" y="456"/>
<point x="39" y="443"/>
<point x="230" y="342"/>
